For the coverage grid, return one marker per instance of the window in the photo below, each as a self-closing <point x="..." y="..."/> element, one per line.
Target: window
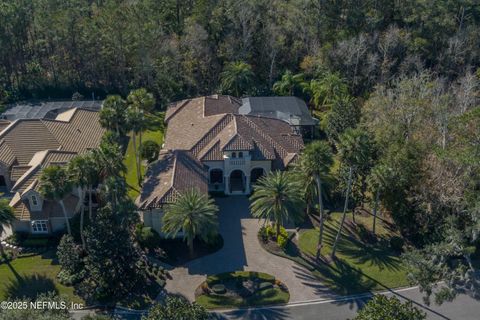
<point x="2" y="181"/>
<point x="216" y="176"/>
<point x="34" y="201"/>
<point x="39" y="226"/>
<point x="240" y="154"/>
<point x="234" y="154"/>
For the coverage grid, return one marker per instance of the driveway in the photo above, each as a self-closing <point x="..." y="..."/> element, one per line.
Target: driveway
<point x="242" y="251"/>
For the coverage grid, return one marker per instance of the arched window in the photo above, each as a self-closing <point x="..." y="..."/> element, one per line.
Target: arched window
<point x="256" y="174"/>
<point x="234" y="154"/>
<point x="240" y="154"/>
<point x="216" y="176"/>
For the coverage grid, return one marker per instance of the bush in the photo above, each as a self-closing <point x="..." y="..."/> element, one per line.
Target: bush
<point x="382" y="307"/>
<point x="282" y="241"/>
<point x="149" y="150"/>
<point x="17" y="238"/>
<point x="396" y="243"/>
<point x="265" y="285"/>
<point x="35" y="242"/>
<point x="219" y="289"/>
<point x="240" y="276"/>
<point x="270" y="233"/>
<point x="69" y="255"/>
<point x="147" y="237"/>
<point x="262" y="233"/>
<point x="6" y="257"/>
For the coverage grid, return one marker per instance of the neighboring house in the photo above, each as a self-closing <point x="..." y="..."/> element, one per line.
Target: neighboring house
<point x="29" y="145"/>
<point x="46" y="109"/>
<point x="211" y="147"/>
<point x="292" y="110"/>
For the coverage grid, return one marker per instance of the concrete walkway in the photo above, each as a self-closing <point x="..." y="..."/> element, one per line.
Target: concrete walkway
<point x="242" y="251"/>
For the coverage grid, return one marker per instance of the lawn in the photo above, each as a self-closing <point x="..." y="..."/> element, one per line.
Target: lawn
<point x="360" y="266"/>
<point x="131" y="175"/>
<point x="30" y="275"/>
<point x="235" y="294"/>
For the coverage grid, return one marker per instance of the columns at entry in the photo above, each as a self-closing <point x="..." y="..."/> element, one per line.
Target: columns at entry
<point x="247" y="184"/>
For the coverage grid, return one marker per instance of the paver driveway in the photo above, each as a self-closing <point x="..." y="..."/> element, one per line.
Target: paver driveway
<point x="242" y="251"/>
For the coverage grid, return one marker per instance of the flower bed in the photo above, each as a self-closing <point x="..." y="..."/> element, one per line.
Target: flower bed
<point x="241" y="289"/>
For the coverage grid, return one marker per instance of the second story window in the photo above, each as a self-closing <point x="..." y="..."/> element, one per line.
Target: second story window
<point x="234" y="154"/>
<point x="34" y="201"/>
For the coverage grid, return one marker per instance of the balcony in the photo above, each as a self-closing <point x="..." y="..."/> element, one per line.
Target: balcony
<point x="237" y="161"/>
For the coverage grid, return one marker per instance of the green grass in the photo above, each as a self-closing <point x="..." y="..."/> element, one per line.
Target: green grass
<point x="360" y="266"/>
<point x="262" y="298"/>
<point x="131" y="175"/>
<point x="269" y="296"/>
<point x="28" y="276"/>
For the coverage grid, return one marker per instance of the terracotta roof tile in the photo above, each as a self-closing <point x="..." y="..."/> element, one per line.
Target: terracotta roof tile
<point x="174" y="172"/>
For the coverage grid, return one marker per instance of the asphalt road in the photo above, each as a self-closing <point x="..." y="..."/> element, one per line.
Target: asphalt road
<point x="462" y="308"/>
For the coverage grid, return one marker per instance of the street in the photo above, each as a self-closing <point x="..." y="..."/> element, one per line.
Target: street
<point x="462" y="308"/>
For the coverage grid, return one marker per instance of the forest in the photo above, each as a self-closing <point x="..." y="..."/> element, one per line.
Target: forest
<point x="404" y="74"/>
<point x="179" y="48"/>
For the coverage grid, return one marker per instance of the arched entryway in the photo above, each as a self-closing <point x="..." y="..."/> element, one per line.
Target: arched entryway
<point x="256" y="174"/>
<point x="237" y="181"/>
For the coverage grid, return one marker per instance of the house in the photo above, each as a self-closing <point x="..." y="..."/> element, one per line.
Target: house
<point x="211" y="147"/>
<point x="292" y="110"/>
<point x="29" y="145"/>
<point x="46" y="109"/>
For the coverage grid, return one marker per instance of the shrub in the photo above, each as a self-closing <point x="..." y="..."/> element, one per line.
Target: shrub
<point x="149" y="150"/>
<point x="382" y="307"/>
<point x="396" y="243"/>
<point x="17" y="238"/>
<point x="68" y="253"/>
<point x="265" y="285"/>
<point x="6" y="257"/>
<point x="147" y="237"/>
<point x="282" y="241"/>
<point x="35" y="242"/>
<point x="219" y="289"/>
<point x="262" y="233"/>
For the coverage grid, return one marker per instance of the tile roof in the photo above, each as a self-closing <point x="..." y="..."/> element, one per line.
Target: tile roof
<point x="200" y="129"/>
<point x="3" y="124"/>
<point x="205" y="136"/>
<point x="29" y="145"/>
<point x="174" y="172"/>
<point x="50" y="209"/>
<point x="77" y="130"/>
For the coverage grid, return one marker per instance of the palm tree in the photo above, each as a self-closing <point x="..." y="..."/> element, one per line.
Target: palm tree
<point x="289" y="84"/>
<point x="377" y="182"/>
<point x="83" y="173"/>
<point x="141" y="99"/>
<point x="277" y="198"/>
<point x="316" y="162"/>
<point x="112" y="115"/>
<point x="236" y="78"/>
<point x="355" y="148"/>
<point x="326" y="90"/>
<point x="6" y="218"/>
<point x="55" y="185"/>
<point x="109" y="160"/>
<point x="193" y="213"/>
<point x="136" y="123"/>
<point x="140" y="103"/>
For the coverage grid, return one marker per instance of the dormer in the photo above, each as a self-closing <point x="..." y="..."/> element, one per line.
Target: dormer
<point x="34" y="199"/>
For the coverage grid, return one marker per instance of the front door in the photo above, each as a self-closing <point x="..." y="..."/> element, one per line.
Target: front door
<point x="237" y="181"/>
